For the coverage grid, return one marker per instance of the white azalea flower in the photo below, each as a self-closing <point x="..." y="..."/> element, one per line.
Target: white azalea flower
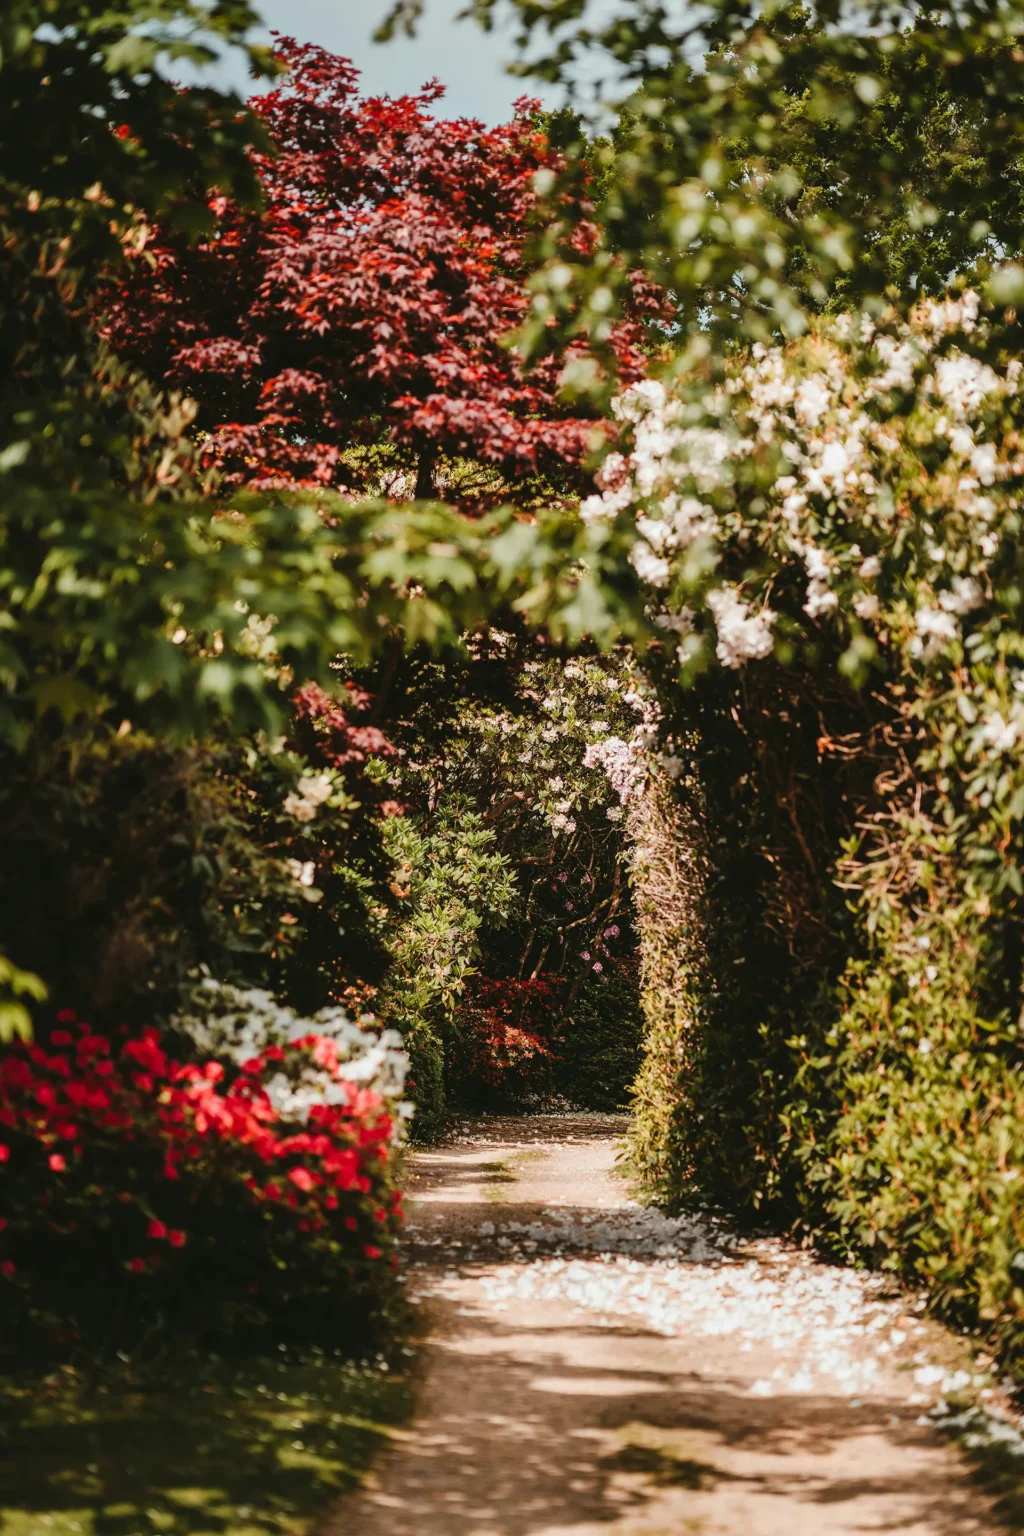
<point x="742" y="635"/>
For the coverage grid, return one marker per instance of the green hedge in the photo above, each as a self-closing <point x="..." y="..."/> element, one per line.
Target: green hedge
<point x="835" y="1050"/>
<point x="600" y="1039"/>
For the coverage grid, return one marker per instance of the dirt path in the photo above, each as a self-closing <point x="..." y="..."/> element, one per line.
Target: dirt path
<point x="594" y="1367"/>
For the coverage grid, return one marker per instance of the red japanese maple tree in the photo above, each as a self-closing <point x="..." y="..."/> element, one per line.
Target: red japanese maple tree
<point x="370" y="299"/>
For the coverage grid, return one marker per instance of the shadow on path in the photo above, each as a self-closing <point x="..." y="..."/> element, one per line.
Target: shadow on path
<point x="548" y="1415"/>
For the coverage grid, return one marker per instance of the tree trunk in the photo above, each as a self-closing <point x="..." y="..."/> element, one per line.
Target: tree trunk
<point x="425" y="475"/>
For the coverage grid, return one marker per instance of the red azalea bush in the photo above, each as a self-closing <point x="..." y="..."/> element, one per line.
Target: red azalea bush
<point x="501" y="1049"/>
<point x="135" y="1187"/>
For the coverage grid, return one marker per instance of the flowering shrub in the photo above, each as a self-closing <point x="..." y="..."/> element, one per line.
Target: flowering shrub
<point x="501" y="1048"/>
<point x="243" y="1024"/>
<point x="830" y="537"/>
<point x="133" y="1181"/>
<point x="515" y="770"/>
<point x="798" y="477"/>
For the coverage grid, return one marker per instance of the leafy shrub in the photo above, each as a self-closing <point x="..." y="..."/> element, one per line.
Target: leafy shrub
<point x="236" y="1191"/>
<point x="907" y="1098"/>
<point x="450" y="879"/>
<point x="598" y="1038"/>
<point x="129" y="864"/>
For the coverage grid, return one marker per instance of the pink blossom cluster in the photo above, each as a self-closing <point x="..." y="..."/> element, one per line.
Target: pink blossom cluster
<point x="624" y="766"/>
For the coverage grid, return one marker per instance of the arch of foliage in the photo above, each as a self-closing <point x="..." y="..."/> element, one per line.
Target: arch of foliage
<point x="512" y="965"/>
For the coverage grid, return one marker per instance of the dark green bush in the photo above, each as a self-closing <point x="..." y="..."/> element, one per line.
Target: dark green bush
<point x="128" y="866"/>
<point x="598" y="1039"/>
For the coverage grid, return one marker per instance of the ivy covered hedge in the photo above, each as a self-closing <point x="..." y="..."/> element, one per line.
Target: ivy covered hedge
<point x="869" y="1094"/>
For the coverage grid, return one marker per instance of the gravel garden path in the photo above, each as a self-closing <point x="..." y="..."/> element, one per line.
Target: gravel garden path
<point x="594" y="1367"/>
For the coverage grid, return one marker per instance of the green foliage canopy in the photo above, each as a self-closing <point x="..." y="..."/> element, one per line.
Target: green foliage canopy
<point x="96" y="135"/>
<point x="775" y="160"/>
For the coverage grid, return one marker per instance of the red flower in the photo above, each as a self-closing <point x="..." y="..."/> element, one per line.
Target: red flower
<point x="194" y="1120"/>
<point x="60" y="1037"/>
<point x="6" y="1268"/>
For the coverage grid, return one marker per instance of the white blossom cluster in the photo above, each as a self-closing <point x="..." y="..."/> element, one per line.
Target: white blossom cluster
<point x="302" y="871"/>
<point x="624" y="763"/>
<point x="585" y="711"/>
<point x="239" y="1023"/>
<point x="742" y="634"/>
<point x="257" y="638"/>
<point x="869" y="465"/>
<point x="305" y="800"/>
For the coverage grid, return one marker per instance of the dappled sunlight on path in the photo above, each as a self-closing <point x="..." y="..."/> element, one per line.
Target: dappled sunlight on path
<point x="596" y="1367"/>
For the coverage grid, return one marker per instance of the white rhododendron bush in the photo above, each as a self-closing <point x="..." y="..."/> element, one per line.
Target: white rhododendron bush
<point x="871" y="468"/>
<point x="830" y="535"/>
